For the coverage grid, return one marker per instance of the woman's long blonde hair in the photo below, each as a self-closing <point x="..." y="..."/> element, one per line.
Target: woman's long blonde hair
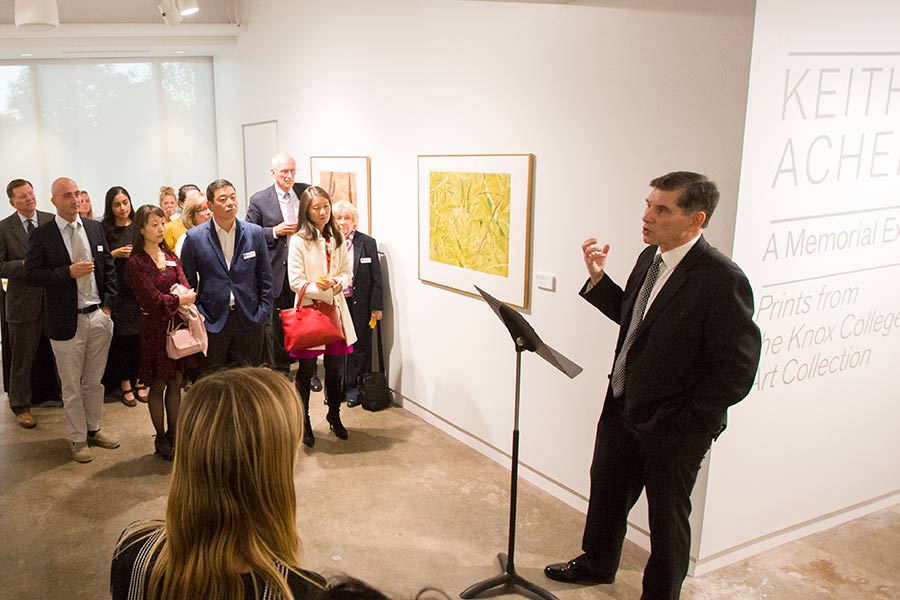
<point x="232" y="500"/>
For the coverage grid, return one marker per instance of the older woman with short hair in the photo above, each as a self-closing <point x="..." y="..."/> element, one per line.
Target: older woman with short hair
<point x="365" y="296"/>
<point x="168" y="201"/>
<point x="196" y="212"/>
<point x="175" y="228"/>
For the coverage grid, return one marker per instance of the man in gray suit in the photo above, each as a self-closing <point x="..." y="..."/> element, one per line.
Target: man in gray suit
<point x="275" y="210"/>
<point x="23" y="303"/>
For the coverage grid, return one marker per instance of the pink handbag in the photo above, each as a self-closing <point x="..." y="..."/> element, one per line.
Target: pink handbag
<point x="183" y="340"/>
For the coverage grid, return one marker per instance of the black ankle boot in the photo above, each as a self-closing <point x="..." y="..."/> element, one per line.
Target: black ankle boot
<point x="334" y="420"/>
<point x="309" y="440"/>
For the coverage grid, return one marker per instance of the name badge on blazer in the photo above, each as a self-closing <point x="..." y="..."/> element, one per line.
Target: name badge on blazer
<point x="365" y="260"/>
<point x="170" y="263"/>
<point x="249" y="255"/>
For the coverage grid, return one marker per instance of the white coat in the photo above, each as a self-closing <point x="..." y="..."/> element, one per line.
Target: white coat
<point x="307" y="262"/>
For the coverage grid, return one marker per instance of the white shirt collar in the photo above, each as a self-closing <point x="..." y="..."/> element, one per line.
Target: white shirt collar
<point x="62" y="223"/>
<point x="675" y="255"/>
<point x="222" y="229"/>
<point x="279" y="193"/>
<point x="23" y="218"/>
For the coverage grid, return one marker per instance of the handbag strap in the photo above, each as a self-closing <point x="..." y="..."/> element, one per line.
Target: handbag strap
<point x="173" y="326"/>
<point x="301" y="293"/>
<point x="380" y="353"/>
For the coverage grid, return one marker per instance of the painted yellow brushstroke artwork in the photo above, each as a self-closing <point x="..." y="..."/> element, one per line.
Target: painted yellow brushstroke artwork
<point x="469" y="220"/>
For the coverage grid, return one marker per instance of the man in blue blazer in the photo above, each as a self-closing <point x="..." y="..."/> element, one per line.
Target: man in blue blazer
<point x="687" y="350"/>
<point x="275" y="210"/>
<point x="227" y="262"/>
<point x="69" y="258"/>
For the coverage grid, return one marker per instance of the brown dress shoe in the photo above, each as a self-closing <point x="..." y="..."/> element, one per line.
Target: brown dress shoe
<point x="26" y="420"/>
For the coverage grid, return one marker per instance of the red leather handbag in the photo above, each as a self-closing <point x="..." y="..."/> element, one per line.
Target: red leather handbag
<point x="310" y="326"/>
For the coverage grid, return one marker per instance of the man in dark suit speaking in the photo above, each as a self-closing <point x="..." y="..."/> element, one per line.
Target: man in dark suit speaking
<point x="227" y="262"/>
<point x="687" y="350"/>
<point x="275" y="210"/>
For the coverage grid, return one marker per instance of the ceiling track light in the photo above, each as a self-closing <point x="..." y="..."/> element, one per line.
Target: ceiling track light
<point x="37" y="15"/>
<point x="172" y="11"/>
<point x="169" y="11"/>
<point x="188" y="7"/>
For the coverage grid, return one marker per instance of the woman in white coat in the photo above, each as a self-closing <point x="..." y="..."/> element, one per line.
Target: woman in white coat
<point x="317" y="256"/>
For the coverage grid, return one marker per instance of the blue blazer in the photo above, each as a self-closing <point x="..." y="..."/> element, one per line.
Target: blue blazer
<point x="265" y="211"/>
<point x="47" y="266"/>
<point x="249" y="277"/>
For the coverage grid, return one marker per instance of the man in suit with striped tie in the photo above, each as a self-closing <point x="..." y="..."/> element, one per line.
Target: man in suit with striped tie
<point x="687" y="350"/>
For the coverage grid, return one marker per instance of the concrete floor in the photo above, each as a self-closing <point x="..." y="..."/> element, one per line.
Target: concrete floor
<point x="400" y="505"/>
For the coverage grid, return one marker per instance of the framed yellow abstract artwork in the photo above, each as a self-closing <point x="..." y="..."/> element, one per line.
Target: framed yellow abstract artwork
<point x="475" y="223"/>
<point x="346" y="178"/>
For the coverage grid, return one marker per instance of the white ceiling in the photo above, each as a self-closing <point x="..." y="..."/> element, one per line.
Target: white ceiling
<point x="125" y="11"/>
<point x="121" y="29"/>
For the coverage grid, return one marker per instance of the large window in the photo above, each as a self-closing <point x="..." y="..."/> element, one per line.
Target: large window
<point x="138" y="124"/>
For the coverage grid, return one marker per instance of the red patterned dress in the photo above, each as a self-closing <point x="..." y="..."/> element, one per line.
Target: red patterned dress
<point x="159" y="306"/>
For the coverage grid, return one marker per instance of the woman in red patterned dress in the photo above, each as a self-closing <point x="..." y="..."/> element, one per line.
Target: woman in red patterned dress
<point x="153" y="270"/>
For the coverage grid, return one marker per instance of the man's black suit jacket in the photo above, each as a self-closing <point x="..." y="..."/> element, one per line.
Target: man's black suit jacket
<point x="367" y="288"/>
<point x="265" y="211"/>
<point x="697" y="348"/>
<point x="47" y="266"/>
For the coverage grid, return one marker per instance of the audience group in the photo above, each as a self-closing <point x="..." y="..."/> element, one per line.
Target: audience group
<point x="107" y="292"/>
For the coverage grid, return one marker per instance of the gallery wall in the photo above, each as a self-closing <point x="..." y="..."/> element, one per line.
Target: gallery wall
<point x="817" y="232"/>
<point x="606" y="96"/>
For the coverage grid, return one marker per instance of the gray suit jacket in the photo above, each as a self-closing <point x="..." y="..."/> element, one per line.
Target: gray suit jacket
<point x="23" y="303"/>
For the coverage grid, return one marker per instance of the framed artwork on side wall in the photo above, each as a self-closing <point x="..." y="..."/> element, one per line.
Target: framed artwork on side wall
<point x="475" y="223"/>
<point x="346" y="178"/>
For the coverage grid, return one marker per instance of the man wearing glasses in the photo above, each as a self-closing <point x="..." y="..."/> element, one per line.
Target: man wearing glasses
<point x="275" y="210"/>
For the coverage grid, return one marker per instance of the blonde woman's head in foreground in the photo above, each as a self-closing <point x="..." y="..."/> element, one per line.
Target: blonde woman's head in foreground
<point x="232" y="506"/>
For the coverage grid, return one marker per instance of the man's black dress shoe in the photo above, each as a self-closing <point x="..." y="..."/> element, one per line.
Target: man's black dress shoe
<point x="352" y="395"/>
<point x="575" y="572"/>
<point x="315" y="384"/>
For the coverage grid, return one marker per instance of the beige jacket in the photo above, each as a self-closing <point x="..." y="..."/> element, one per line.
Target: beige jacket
<point x="307" y="261"/>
